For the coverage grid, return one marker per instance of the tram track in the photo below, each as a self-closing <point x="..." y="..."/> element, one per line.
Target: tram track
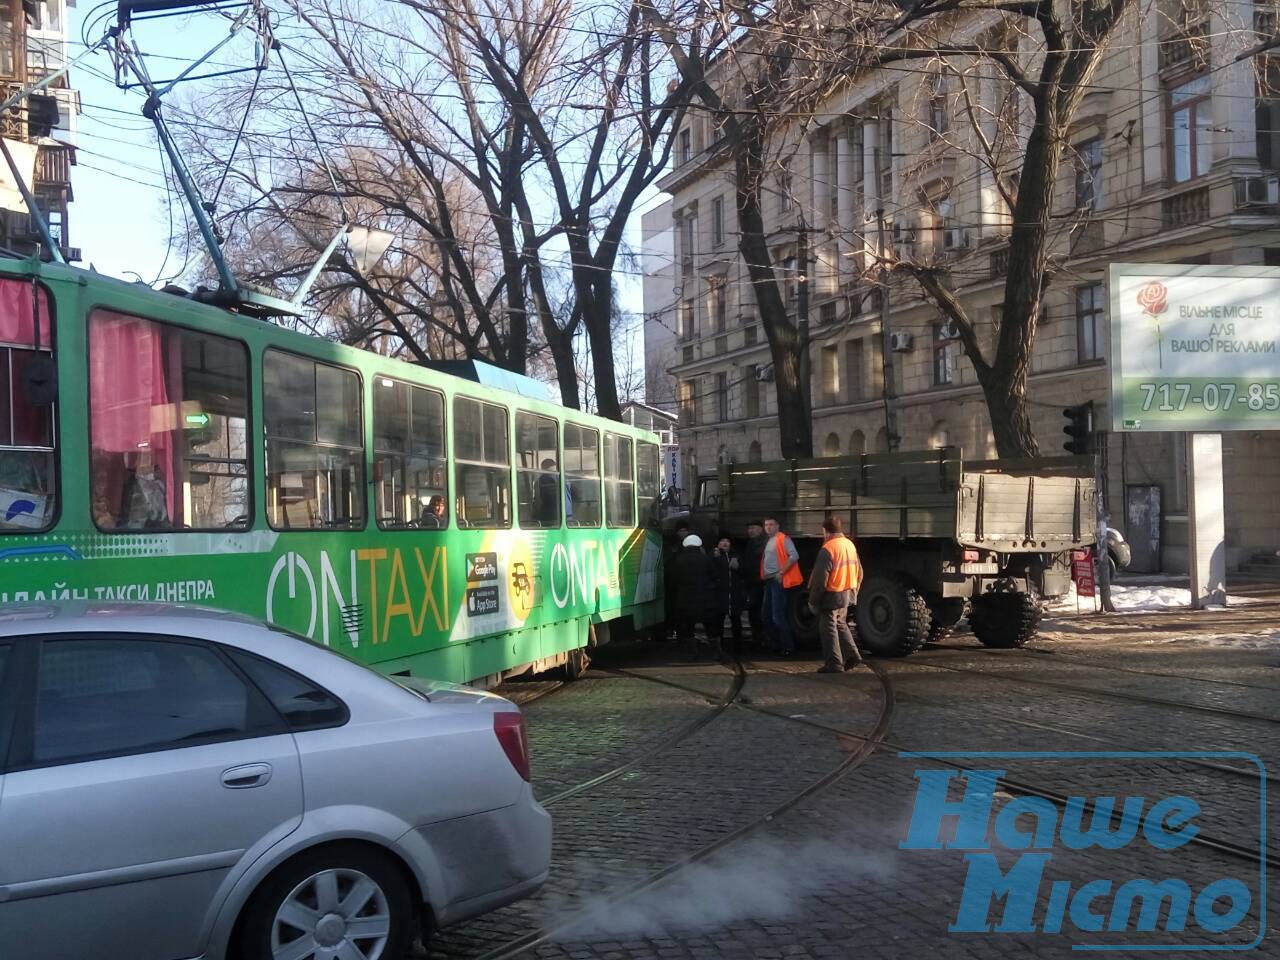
<point x="911" y="698"/>
<point x="856" y="758"/>
<point x="1158" y="674"/>
<point x="732" y="692"/>
<point x="1011" y="785"/>
<point x="1119" y="695"/>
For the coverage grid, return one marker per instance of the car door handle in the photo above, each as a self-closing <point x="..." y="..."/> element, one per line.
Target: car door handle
<point x="246" y="775"/>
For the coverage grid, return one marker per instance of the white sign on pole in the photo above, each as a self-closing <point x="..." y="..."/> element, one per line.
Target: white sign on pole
<point x="1194" y="348"/>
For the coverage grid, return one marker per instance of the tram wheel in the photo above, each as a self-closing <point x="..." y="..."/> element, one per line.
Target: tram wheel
<point x="575" y="664"/>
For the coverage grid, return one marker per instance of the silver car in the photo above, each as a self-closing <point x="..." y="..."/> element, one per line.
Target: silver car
<point x="187" y="783"/>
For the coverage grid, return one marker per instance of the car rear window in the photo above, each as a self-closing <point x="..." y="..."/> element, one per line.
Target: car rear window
<point x="303" y="704"/>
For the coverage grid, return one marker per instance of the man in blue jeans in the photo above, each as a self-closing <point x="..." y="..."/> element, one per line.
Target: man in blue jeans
<point x="780" y="574"/>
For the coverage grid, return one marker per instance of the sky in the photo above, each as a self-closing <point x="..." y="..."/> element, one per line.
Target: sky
<point x="120" y="218"/>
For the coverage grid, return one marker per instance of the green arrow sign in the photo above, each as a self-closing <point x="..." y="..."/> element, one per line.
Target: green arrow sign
<point x="197" y="419"/>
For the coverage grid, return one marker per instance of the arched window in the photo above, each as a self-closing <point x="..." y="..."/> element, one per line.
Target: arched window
<point x="753" y="452"/>
<point x="882" y="440"/>
<point x="858" y="443"/>
<point x="831" y="448"/>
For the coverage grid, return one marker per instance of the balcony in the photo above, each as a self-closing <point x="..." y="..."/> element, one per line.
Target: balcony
<point x="1190" y="206"/>
<point x="53" y="166"/>
<point x="1186" y="48"/>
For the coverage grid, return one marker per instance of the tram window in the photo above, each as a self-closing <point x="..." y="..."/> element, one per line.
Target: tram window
<point x="582" y="475"/>
<point x="648" y="481"/>
<point x="482" y="461"/>
<point x="169" y="414"/>
<point x="28" y="496"/>
<point x="538" y="470"/>
<point x="315" y="444"/>
<point x="619" y="484"/>
<point x="408" y="456"/>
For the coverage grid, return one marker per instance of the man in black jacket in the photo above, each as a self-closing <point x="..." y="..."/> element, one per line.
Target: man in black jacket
<point x="693" y="596"/>
<point x="749" y="578"/>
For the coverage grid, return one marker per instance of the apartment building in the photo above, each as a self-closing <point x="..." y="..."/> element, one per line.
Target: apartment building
<point x="1176" y="151"/>
<point x="33" y="45"/>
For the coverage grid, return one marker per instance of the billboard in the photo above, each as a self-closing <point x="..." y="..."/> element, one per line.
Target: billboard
<point x="1194" y="348"/>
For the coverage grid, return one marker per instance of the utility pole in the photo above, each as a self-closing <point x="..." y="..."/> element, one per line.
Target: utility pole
<point x="886" y="334"/>
<point x="802" y="319"/>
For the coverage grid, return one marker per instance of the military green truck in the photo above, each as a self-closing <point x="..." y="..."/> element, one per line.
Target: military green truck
<point x="940" y="537"/>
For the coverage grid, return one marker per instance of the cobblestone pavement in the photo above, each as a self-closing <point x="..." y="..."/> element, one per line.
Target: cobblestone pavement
<point x="828" y="878"/>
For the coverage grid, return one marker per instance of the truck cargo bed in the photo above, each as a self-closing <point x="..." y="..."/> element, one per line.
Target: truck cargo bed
<point x="1003" y="505"/>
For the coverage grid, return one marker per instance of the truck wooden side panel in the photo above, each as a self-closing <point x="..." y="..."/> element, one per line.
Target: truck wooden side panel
<point x="1009" y="506"/>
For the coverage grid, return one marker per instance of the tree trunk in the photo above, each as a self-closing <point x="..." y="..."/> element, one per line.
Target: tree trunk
<point x="784" y="339"/>
<point x="1006" y="396"/>
<point x="597" y="315"/>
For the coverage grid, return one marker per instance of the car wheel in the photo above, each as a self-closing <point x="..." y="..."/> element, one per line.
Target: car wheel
<point x="336" y="902"/>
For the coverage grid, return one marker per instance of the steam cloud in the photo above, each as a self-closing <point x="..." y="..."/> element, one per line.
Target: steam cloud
<point x="760" y="880"/>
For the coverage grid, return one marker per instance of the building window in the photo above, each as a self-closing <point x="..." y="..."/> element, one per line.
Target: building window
<point x="830" y="369"/>
<point x="1089" y="174"/>
<point x="944" y="355"/>
<point x="750" y="336"/>
<point x="886" y="158"/>
<point x="855" y="370"/>
<point x="790" y="280"/>
<point x="751" y="393"/>
<point x="722" y="397"/>
<point x="784" y="188"/>
<point x="856" y="156"/>
<point x="716" y="304"/>
<point x="688" y="229"/>
<point x="1090" y="317"/>
<point x="482" y="464"/>
<point x="685" y="149"/>
<point x="1190" y="138"/>
<point x="831" y="446"/>
<point x="408" y="456"/>
<point x="827" y="315"/>
<point x="946" y="235"/>
<point x="1267" y="118"/>
<point x="685" y="320"/>
<point x="686" y="404"/>
<point x="754" y="454"/>
<point x="936" y="107"/>
<point x="717" y="221"/>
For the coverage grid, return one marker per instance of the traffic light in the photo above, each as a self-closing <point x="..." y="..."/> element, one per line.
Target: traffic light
<point x="1079" y="429"/>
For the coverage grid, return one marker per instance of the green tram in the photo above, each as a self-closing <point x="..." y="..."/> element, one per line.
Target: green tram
<point x="153" y="448"/>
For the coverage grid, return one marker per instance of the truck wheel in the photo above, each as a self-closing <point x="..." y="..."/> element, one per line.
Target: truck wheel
<point x="804" y="622"/>
<point x="1005" y="620"/>
<point x="944" y="615"/>
<point x="893" y="617"/>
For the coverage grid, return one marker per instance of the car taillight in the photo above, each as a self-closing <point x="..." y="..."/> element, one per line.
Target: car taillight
<point x="972" y="556"/>
<point x="510" y="731"/>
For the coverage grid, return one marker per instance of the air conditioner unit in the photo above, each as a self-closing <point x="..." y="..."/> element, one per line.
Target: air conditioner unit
<point x="764" y="372"/>
<point x="1256" y="192"/>
<point x="900" y="342"/>
<point x="949" y="331"/>
<point x="955" y="238"/>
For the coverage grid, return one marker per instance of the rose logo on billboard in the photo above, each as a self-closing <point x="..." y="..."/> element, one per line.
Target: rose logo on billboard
<point x="1153" y="298"/>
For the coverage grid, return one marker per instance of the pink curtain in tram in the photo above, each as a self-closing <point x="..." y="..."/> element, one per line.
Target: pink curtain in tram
<point x="135" y="397"/>
<point x="17" y="326"/>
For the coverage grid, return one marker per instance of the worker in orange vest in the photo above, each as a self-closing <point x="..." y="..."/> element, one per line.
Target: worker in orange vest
<point x="780" y="574"/>
<point x="833" y="588"/>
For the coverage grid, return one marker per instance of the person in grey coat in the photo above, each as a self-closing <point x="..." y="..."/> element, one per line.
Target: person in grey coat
<point x="833" y="588"/>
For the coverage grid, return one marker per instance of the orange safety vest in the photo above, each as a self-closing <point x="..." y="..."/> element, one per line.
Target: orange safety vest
<point x="793" y="577"/>
<point x="846" y="568"/>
